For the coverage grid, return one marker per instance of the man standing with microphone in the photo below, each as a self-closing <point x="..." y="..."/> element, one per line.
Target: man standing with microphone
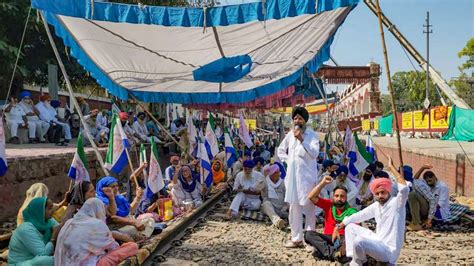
<point x="300" y="149"/>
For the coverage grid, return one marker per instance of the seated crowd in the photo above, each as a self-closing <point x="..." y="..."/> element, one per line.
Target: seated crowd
<point x="52" y="121"/>
<point x="104" y="224"/>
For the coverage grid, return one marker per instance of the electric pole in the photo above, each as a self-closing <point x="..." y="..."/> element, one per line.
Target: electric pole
<point x="428" y="31"/>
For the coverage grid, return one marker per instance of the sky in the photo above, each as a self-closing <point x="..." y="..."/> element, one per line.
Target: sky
<point x="358" y="40"/>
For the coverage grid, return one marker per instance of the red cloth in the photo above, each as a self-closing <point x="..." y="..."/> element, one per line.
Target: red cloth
<point x="329" y="221"/>
<point x="118" y="255"/>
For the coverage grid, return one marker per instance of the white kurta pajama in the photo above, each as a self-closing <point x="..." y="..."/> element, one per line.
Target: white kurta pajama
<point x="301" y="178"/>
<point x="250" y="202"/>
<point x="385" y="244"/>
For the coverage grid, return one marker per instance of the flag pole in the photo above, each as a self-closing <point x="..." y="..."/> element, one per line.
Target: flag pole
<point x="156" y="121"/>
<point x="390" y="88"/>
<point x="134" y="176"/>
<point x="71" y="94"/>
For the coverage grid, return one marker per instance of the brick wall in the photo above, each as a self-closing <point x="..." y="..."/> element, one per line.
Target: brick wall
<point x="457" y="173"/>
<point x="48" y="169"/>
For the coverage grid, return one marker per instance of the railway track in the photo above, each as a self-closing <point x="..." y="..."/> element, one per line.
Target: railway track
<point x="173" y="237"/>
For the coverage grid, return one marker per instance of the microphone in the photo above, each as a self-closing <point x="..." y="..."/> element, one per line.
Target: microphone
<point x="297" y="127"/>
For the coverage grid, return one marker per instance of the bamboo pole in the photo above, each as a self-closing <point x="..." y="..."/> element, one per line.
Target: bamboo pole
<point x="390" y="88"/>
<point x="156" y="121"/>
<point x="71" y="94"/>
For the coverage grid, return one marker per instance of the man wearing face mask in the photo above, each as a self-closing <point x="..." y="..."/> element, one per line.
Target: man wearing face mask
<point x="32" y="115"/>
<point x="389" y="212"/>
<point x="49" y="115"/>
<point x="299" y="149"/>
<point x="364" y="197"/>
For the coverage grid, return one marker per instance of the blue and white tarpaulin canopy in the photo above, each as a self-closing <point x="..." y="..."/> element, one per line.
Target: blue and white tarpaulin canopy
<point x="170" y="54"/>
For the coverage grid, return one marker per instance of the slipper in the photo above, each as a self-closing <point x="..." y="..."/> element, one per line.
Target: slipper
<point x="425" y="234"/>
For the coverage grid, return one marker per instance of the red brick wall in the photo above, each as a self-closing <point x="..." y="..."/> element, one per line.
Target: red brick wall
<point x="457" y="173"/>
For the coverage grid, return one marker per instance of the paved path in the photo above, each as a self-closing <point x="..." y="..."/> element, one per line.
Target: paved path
<point x="41" y="150"/>
<point x="430" y="147"/>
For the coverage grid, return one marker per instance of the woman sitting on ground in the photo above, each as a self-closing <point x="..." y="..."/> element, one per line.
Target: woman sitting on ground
<point x="86" y="239"/>
<point x="32" y="243"/>
<point x="83" y="191"/>
<point x="186" y="187"/>
<point x="135" y="228"/>
<point x="38" y="190"/>
<point x="218" y="175"/>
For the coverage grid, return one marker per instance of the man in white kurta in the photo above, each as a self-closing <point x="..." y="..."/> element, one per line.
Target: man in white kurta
<point x="248" y="185"/>
<point x="389" y="212"/>
<point x="299" y="149"/>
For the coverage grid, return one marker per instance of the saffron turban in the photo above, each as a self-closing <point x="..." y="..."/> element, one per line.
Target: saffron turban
<point x="44" y="98"/>
<point x="384" y="183"/>
<point x="123" y="115"/>
<point x="300" y="111"/>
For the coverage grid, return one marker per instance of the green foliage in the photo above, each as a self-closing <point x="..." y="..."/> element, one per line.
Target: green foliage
<point x="410" y="91"/>
<point x="468" y="51"/>
<point x="36" y="53"/>
<point x="464" y="83"/>
<point x="386" y="104"/>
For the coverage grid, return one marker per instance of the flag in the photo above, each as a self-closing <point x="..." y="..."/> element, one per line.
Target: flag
<point x="359" y="158"/>
<point x="369" y="147"/>
<point x="192" y="136"/>
<point x="230" y="152"/>
<point x="3" y="154"/>
<point x="142" y="157"/>
<point x="211" y="144"/>
<point x="116" y="158"/>
<point x="155" y="181"/>
<point x="327" y="145"/>
<point x="78" y="170"/>
<point x="348" y="138"/>
<point x="115" y="109"/>
<point x="206" y="172"/>
<point x="244" y="132"/>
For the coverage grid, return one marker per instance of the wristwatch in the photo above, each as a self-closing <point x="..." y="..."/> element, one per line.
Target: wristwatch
<point x="338" y="226"/>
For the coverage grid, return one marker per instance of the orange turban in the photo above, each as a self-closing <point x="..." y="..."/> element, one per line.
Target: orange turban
<point x="384" y="183"/>
<point x="44" y="98"/>
<point x="219" y="175"/>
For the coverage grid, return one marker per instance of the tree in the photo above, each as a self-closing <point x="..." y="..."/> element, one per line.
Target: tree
<point x="386" y="104"/>
<point x="465" y="82"/>
<point x="410" y="90"/>
<point x="36" y="52"/>
<point x="468" y="51"/>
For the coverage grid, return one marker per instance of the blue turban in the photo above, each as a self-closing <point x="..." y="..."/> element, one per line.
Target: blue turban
<point x="381" y="174"/>
<point x="327" y="163"/>
<point x="249" y="164"/>
<point x="258" y="159"/>
<point x="408" y="173"/>
<point x="123" y="207"/>
<point x="24" y="94"/>
<point x="282" y="170"/>
<point x="248" y="153"/>
<point x="55" y="103"/>
<point x="342" y="169"/>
